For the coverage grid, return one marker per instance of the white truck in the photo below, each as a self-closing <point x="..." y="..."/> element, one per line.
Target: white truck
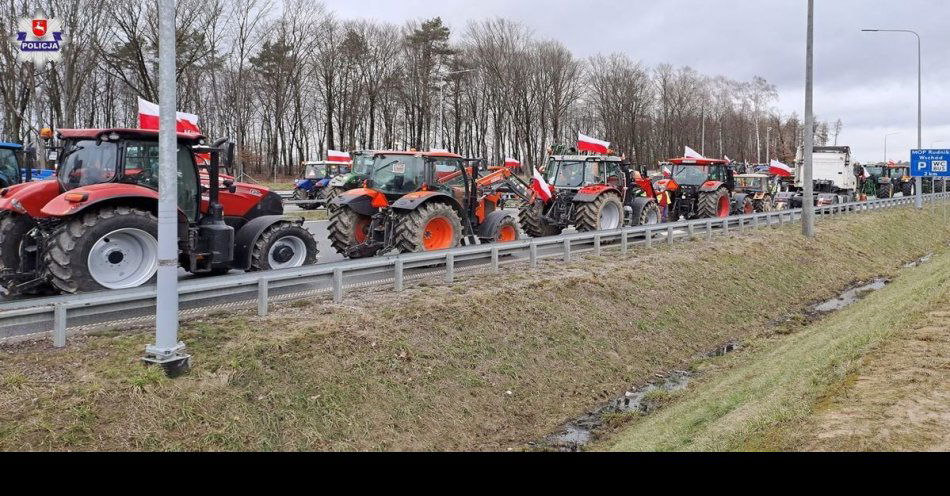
<point x="833" y="177"/>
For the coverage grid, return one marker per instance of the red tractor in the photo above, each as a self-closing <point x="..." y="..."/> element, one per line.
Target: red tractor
<point x="421" y="201"/>
<point x="592" y="193"/>
<point x="701" y="188"/>
<point x="95" y="225"/>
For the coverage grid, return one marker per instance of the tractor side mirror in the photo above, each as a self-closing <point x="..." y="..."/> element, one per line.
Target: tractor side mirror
<point x="229" y="184"/>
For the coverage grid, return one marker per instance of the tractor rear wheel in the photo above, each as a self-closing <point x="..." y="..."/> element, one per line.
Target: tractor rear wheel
<point x="284" y="245"/>
<point x="110" y="248"/>
<point x="331" y="193"/>
<point x="603" y="214"/>
<point x="713" y="204"/>
<point x="347" y="229"/>
<point x="884" y="191"/>
<point x="907" y="189"/>
<point x="433" y="226"/>
<point x="532" y="222"/>
<point x="763" y="205"/>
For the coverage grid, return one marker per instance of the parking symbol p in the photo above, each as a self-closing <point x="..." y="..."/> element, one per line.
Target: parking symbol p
<point x="921" y="165"/>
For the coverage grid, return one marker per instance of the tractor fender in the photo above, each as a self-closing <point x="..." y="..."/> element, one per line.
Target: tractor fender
<point x="710" y="186"/>
<point x="487" y="228"/>
<point x="245" y="238"/>
<point x="102" y="194"/>
<point x="29" y="198"/>
<point x="363" y="201"/>
<point x="416" y="199"/>
<point x="668" y="184"/>
<point x="589" y="194"/>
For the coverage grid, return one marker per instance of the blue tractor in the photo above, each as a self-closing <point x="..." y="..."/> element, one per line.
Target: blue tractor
<point x="14" y="168"/>
<point x="313" y="184"/>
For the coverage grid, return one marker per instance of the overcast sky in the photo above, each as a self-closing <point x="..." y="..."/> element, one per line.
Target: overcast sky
<point x="869" y="80"/>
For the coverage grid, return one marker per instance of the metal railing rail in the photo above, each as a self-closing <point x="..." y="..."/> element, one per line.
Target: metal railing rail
<point x="58" y="313"/>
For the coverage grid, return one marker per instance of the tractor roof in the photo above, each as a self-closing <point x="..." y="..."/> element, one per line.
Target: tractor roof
<point x="417" y="154"/>
<point x="754" y="176"/>
<point x="698" y="161"/>
<point x="123" y="132"/>
<point x="10" y="146"/>
<point x="582" y="158"/>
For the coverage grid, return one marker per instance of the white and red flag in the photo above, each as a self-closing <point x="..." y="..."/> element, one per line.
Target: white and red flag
<point x="541" y="187"/>
<point x="865" y="174"/>
<point x="779" y="169"/>
<point x="667" y="172"/>
<point x="727" y="158"/>
<point x="587" y="144"/>
<point x="512" y="163"/>
<point x="337" y="156"/>
<point x="148" y="118"/>
<point x="690" y="153"/>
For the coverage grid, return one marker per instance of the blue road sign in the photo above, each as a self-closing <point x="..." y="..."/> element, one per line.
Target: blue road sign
<point x="929" y="163"/>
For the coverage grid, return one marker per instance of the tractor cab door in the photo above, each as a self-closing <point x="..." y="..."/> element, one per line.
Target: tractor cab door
<point x="615" y="176"/>
<point x="449" y="176"/>
<point x="140" y="166"/>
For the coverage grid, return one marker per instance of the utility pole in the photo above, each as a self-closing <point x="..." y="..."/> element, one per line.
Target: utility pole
<point x="918" y="181"/>
<point x="808" y="202"/>
<point x="167" y="351"/>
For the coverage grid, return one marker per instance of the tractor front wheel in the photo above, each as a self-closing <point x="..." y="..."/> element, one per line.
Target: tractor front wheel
<point x="434" y="226"/>
<point x="714" y="204"/>
<point x="532" y="222"/>
<point x="884" y="191"/>
<point x="110" y="248"/>
<point x="347" y="229"/>
<point x="603" y="214"/>
<point x="763" y="205"/>
<point x="284" y="245"/>
<point x="331" y="193"/>
<point x="908" y="189"/>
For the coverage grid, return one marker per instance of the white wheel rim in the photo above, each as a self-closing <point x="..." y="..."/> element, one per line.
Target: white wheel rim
<point x="610" y="216"/>
<point x="278" y="252"/>
<point x="124" y="258"/>
<point x="653" y="217"/>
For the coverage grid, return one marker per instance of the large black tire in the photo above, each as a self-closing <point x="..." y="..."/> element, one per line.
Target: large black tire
<point x="763" y="205"/>
<point x="343" y="229"/>
<point x="499" y="227"/>
<point x="260" y="254"/>
<point x="589" y="216"/>
<point x="709" y="203"/>
<point x="884" y="191"/>
<point x="646" y="212"/>
<point x="907" y="189"/>
<point x="411" y="232"/>
<point x="65" y="259"/>
<point x="301" y="195"/>
<point x="529" y="216"/>
<point x="331" y="193"/>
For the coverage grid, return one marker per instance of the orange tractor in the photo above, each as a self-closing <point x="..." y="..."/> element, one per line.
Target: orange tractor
<point x="422" y="201"/>
<point x="592" y="193"/>
<point x="702" y="188"/>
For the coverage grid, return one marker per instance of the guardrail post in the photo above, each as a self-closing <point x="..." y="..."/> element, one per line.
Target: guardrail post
<point x="337" y="285"/>
<point x="623" y="242"/>
<point x="494" y="259"/>
<point x="708" y="229"/>
<point x="669" y="235"/>
<point x="397" y="275"/>
<point x="533" y="253"/>
<point x="755" y="222"/>
<point x="741" y="225"/>
<point x="649" y="237"/>
<point x="781" y="219"/>
<point x="596" y="245"/>
<point x="59" y="325"/>
<point x="567" y="250"/>
<point x="690" y="230"/>
<point x="262" y="290"/>
<point x="449" y="268"/>
<point x="725" y="226"/>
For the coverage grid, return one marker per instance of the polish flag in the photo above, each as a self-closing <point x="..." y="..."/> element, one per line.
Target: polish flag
<point x="727" y="158"/>
<point x="541" y="187"/>
<point x="865" y="174"/>
<point x="586" y="143"/>
<point x="512" y="163"/>
<point x="690" y="153"/>
<point x="148" y="118"/>
<point x="667" y="172"/>
<point x="779" y="169"/>
<point x="337" y="156"/>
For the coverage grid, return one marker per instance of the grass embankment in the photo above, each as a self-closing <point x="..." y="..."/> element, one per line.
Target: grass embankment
<point x="488" y="363"/>
<point x="822" y="387"/>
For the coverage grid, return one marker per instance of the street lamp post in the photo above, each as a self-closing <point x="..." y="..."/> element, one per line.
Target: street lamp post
<point x="441" y="141"/>
<point x="808" y="201"/>
<point x="918" y="180"/>
<point x="885" y="146"/>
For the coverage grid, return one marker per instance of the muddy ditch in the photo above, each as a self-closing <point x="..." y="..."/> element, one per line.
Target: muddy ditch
<point x="578" y="432"/>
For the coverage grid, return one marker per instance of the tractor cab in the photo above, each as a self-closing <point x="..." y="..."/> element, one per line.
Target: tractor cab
<point x="11" y="164"/>
<point x="573" y="172"/>
<point x="752" y="183"/>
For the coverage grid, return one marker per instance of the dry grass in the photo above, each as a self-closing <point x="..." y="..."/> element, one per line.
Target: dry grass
<point x="489" y="363"/>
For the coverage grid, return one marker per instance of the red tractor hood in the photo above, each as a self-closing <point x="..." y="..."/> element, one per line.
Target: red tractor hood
<point x="29" y="198"/>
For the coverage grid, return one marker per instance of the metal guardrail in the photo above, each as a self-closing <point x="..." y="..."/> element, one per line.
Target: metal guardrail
<point x="58" y="313"/>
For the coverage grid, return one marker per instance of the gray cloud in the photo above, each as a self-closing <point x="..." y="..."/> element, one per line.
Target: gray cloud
<point x="868" y="80"/>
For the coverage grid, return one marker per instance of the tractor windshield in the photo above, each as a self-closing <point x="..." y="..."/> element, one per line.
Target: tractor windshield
<point x="750" y="183"/>
<point x="316" y="171"/>
<point x="362" y="164"/>
<point x="690" y="175"/>
<point x="875" y="170"/>
<point x="9" y="167"/>
<point x="573" y="173"/>
<point x="397" y="174"/>
<point x="85" y="162"/>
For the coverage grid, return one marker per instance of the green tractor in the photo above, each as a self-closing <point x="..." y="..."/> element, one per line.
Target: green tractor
<point x="359" y="172"/>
